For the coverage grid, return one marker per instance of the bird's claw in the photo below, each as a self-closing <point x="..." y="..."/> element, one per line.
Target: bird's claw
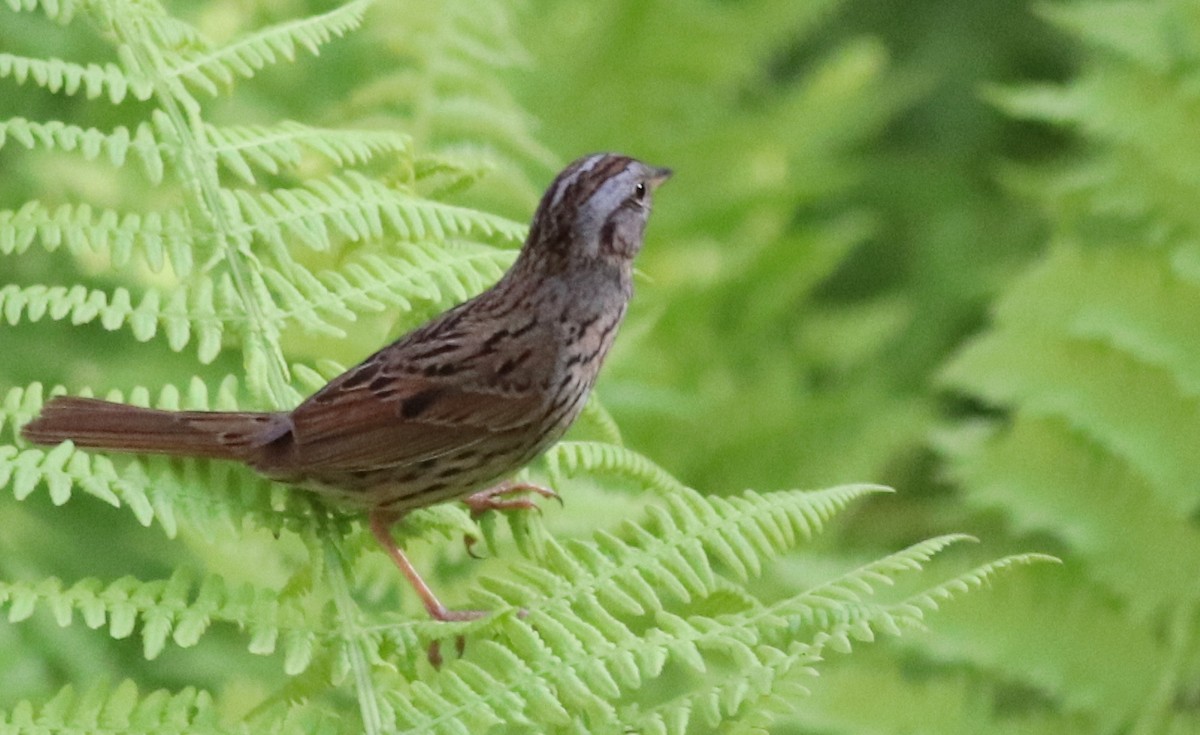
<point x="494" y="498"/>
<point x="469" y="541"/>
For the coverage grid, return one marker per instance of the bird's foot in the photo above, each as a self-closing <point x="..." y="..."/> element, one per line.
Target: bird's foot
<point x="496" y="498"/>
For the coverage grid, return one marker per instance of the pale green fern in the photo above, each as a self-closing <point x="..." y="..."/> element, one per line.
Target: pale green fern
<point x="257" y="246"/>
<point x="1092" y="354"/>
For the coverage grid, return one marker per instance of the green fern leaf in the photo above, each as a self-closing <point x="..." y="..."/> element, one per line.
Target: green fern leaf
<point x="253" y="53"/>
<point x="271" y="148"/>
<point x="569" y="459"/>
<point x="90" y="142"/>
<point x="124" y="709"/>
<point x="58" y="76"/>
<point x="1105" y="393"/>
<point x="156" y="237"/>
<point x="357" y="208"/>
<point x="183" y="315"/>
<point x="1091" y="357"/>
<point x="1139" y="31"/>
<point x="434" y="274"/>
<point x="1047" y="478"/>
<point x="62" y="11"/>
<point x="585" y="651"/>
<point x="174" y="610"/>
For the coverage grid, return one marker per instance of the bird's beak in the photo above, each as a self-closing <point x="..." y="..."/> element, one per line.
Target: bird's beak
<point x="658" y="176"/>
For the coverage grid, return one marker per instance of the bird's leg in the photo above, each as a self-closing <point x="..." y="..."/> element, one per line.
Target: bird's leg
<point x="382" y="520"/>
<point x="495" y="498"/>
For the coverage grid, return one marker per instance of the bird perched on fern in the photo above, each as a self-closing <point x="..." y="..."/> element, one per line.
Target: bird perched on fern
<point x="451" y="407"/>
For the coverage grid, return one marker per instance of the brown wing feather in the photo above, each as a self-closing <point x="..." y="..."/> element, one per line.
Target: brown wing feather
<point x="402" y="405"/>
<point x="367" y="433"/>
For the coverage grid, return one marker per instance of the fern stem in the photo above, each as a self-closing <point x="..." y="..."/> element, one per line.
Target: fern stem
<point x="198" y="174"/>
<point x="368" y="698"/>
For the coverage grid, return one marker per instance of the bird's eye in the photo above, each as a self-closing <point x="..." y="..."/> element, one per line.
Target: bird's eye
<point x="639" y="191"/>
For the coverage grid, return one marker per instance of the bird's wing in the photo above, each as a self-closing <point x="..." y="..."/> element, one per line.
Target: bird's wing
<point x="417" y="400"/>
<point x="359" y="431"/>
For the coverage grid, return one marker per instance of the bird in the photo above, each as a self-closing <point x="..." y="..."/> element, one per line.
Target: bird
<point x="450" y="409"/>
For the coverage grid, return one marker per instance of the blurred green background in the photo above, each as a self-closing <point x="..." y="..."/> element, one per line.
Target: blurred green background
<point x="949" y="246"/>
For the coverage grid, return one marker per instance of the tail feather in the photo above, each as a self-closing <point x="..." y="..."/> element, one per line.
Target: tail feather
<point x="117" y="427"/>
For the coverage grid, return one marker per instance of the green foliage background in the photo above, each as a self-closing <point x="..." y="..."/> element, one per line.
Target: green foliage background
<point x="948" y="246"/>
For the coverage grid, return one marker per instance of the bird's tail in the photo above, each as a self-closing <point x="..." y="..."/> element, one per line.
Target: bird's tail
<point x="118" y="427"/>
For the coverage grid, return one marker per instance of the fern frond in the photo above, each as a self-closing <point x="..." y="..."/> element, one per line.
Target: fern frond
<point x="1141" y="32"/>
<point x="122" y="709"/>
<point x="1138" y="179"/>
<point x="65" y="77"/>
<point x="436" y="274"/>
<point x="1102" y="295"/>
<point x="21" y="404"/>
<point x="157" y="237"/>
<point x="1107" y="394"/>
<point x="446" y="76"/>
<point x="876" y="691"/>
<point x="246" y="56"/>
<point x="1008" y="632"/>
<point x="182" y="315"/>
<point x="1046" y="102"/>
<point x="196" y="395"/>
<point x="174" y="610"/>
<point x="743" y="531"/>
<point x="635" y="570"/>
<point x="857" y="584"/>
<point x="564" y="667"/>
<point x="357" y="208"/>
<point x="61" y="469"/>
<point x="647" y="624"/>
<point x="1048" y="478"/>
<point x="270" y="148"/>
<point x="774" y="683"/>
<point x="576" y="645"/>
<point x="858" y="621"/>
<point x="783" y="654"/>
<point x="209" y="495"/>
<point x="91" y="143"/>
<point x="596" y="415"/>
<point x="203" y="310"/>
<point x="62" y="11"/>
<point x="931" y="599"/>
<point x="1092" y="355"/>
<point x="839" y="610"/>
<point x="126" y="710"/>
<point x="571" y="458"/>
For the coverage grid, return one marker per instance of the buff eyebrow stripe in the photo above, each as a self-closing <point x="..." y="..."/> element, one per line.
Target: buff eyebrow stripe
<point x="568" y="181"/>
